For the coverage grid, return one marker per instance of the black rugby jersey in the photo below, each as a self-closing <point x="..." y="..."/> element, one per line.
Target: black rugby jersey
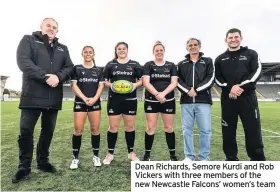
<point x="87" y="79"/>
<point x="130" y="71"/>
<point x="160" y="78"/>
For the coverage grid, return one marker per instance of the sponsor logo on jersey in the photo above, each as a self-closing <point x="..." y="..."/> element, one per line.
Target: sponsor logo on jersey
<point x="122" y="73"/>
<point x="88" y="80"/>
<point x="149" y="108"/>
<point x="160" y="75"/>
<point x="242" y="57"/>
<point x="77" y="107"/>
<point x="96" y="107"/>
<point x="169" y="110"/>
<point x="111" y="111"/>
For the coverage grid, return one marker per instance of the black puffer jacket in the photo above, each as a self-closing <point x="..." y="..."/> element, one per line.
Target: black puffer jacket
<point x="36" y="58"/>
<point x="199" y="75"/>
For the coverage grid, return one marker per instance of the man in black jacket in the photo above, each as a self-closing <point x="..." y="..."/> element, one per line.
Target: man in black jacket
<point x="237" y="71"/>
<point x="45" y="64"/>
<point x="196" y="77"/>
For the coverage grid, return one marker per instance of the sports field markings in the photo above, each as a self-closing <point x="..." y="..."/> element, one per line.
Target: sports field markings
<point x="262" y="128"/>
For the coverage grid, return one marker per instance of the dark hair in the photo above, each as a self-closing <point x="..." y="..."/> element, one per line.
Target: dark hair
<point x="51" y="19"/>
<point x="120" y="43"/>
<point x="234" y="30"/>
<point x="88" y="46"/>
<point x="158" y="43"/>
<point x="194" y="39"/>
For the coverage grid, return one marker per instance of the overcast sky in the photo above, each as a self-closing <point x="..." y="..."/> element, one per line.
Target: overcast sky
<point x="103" y="23"/>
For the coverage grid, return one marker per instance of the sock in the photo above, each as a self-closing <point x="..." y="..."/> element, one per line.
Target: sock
<point x="130" y="138"/>
<point x="76" y="145"/>
<point x="170" y="140"/>
<point x="111" y="139"/>
<point x="149" y="139"/>
<point x="95" y="142"/>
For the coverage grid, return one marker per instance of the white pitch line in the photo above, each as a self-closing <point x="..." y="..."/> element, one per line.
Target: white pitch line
<point x="267" y="136"/>
<point x="261" y="129"/>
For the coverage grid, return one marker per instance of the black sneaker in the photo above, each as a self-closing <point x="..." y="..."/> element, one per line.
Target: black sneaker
<point x="230" y="158"/>
<point x="21" y="174"/>
<point x="146" y="158"/>
<point x="46" y="167"/>
<point x="173" y="158"/>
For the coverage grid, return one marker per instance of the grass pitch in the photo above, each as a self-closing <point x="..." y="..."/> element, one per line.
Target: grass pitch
<point x="117" y="175"/>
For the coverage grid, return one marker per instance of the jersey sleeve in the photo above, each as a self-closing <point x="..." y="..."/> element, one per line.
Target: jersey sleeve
<point x="74" y="76"/>
<point x="100" y="76"/>
<point x="107" y="72"/>
<point x="138" y="71"/>
<point x="146" y="69"/>
<point x="173" y="71"/>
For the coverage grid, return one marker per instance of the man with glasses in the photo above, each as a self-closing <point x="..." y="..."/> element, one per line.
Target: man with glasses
<point x="196" y="77"/>
<point x="237" y="72"/>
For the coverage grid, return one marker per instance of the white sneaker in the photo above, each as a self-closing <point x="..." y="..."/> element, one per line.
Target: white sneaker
<point x="132" y="156"/>
<point x="187" y="159"/>
<point x="74" y="164"/>
<point x="109" y="157"/>
<point x="96" y="161"/>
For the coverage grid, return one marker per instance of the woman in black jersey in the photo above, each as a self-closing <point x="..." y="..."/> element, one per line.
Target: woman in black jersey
<point x="87" y="84"/>
<point x="122" y="105"/>
<point x="160" y="79"/>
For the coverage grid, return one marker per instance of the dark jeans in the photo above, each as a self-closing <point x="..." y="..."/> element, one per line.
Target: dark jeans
<point x="28" y="120"/>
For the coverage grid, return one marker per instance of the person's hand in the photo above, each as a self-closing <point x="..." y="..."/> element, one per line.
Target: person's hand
<point x="163" y="100"/>
<point x="52" y="80"/>
<point x="160" y="96"/>
<point x="86" y="100"/>
<point x="232" y="96"/>
<point x="108" y="84"/>
<point x="236" y="90"/>
<point x="192" y="93"/>
<point x="92" y="100"/>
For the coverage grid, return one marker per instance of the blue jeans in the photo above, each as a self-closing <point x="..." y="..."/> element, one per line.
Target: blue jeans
<point x="202" y="114"/>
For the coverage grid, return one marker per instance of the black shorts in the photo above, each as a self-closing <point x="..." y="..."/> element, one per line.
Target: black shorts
<point x="117" y="105"/>
<point x="169" y="107"/>
<point x="82" y="107"/>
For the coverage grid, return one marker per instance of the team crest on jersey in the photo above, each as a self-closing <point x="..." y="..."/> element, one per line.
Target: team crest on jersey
<point x="111" y="111"/>
<point x="149" y="108"/>
<point x="166" y="70"/>
<point x="116" y="67"/>
<point x="129" y="68"/>
<point x="242" y="57"/>
<point x="202" y="61"/>
<point x="83" y="72"/>
<point x="78" y="107"/>
<point x="94" y="73"/>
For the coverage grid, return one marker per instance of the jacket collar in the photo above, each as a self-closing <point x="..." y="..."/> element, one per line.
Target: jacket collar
<point x="188" y="56"/>
<point x="39" y="35"/>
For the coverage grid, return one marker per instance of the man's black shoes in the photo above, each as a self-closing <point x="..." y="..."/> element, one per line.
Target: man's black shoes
<point x="21" y="174"/>
<point x="47" y="167"/>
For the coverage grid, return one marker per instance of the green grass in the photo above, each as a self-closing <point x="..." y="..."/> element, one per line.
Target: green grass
<point x="117" y="175"/>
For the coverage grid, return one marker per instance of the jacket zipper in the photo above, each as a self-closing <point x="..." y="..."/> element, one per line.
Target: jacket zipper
<point x="51" y="58"/>
<point x="194" y="72"/>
